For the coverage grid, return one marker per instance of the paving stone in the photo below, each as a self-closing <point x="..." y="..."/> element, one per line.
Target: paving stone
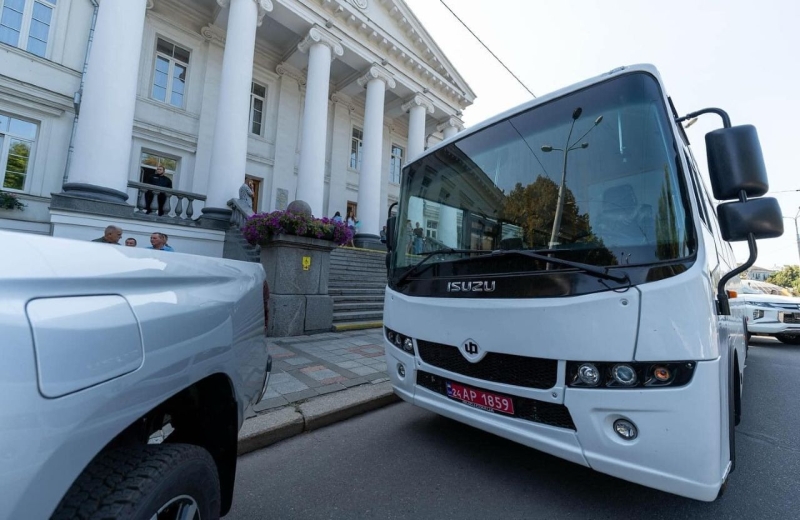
<point x="363" y="371"/>
<point x="327" y="389"/>
<point x="268" y="404"/>
<point x="297" y="361"/>
<point x="299" y="396"/>
<point x="349" y="364"/>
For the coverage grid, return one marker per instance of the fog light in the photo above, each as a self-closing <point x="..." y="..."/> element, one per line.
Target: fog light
<point x="662" y="374"/>
<point x="624" y="375"/>
<point x="625" y="429"/>
<point x="588" y="374"/>
<point x="401" y="370"/>
<point x="408" y="345"/>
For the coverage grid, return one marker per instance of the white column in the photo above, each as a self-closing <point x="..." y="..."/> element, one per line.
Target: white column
<point x="451" y="127"/>
<point x="416" y="107"/>
<point x="321" y="48"/>
<point x="100" y="163"/>
<point x="229" y="147"/>
<point x="369" y="181"/>
<point x="448" y="216"/>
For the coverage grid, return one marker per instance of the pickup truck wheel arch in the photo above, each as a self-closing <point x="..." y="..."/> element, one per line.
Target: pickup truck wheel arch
<point x="136" y="482"/>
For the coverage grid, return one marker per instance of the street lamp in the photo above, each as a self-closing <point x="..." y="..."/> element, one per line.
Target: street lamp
<point x="796" y="230"/>
<point x="562" y="188"/>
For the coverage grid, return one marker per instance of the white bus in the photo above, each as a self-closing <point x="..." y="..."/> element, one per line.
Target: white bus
<point x="575" y="298"/>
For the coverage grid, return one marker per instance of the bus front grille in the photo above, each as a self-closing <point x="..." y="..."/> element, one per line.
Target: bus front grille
<point x="528" y="372"/>
<point x="532" y="410"/>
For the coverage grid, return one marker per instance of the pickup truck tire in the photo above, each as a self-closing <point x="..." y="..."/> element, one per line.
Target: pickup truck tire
<point x="789" y="339"/>
<point x="164" y="482"/>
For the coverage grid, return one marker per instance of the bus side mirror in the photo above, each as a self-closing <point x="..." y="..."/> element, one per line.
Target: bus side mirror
<point x="735" y="162"/>
<point x="391" y="222"/>
<point x="761" y="217"/>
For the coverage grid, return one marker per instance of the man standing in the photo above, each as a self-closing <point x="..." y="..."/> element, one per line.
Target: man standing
<point x="159" y="179"/>
<point x="111" y="235"/>
<point x="159" y="241"/>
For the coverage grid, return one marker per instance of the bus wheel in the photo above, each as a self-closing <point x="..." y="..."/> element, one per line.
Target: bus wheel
<point x="789" y="339"/>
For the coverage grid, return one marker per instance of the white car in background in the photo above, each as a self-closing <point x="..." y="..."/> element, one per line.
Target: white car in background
<point x="771" y="310"/>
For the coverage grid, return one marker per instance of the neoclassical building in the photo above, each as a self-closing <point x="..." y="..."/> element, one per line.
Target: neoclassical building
<point x="318" y="100"/>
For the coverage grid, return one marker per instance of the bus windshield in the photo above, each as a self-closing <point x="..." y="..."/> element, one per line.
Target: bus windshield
<point x="591" y="177"/>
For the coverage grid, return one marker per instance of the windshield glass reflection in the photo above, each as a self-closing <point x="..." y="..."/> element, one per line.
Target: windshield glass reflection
<point x="590" y="177"/>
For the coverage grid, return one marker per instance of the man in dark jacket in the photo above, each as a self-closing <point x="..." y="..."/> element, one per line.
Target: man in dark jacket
<point x="158" y="179"/>
<point x="111" y="235"/>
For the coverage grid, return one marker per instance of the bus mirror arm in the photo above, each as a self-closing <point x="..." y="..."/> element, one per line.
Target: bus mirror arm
<point x="723" y="301"/>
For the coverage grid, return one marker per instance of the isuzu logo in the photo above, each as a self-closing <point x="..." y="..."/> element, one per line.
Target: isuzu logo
<point x="472" y="351"/>
<point x="483" y="286"/>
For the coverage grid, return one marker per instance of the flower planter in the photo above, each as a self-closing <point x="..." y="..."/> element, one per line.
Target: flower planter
<point x="297" y="271"/>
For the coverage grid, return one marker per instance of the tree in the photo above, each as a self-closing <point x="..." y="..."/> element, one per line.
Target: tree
<point x="533" y="208"/>
<point x="788" y="277"/>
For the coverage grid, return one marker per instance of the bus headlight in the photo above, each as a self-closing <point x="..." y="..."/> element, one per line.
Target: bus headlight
<point x="589" y="374"/>
<point x="400" y="341"/>
<point x="621" y="375"/>
<point x="624" y="375"/>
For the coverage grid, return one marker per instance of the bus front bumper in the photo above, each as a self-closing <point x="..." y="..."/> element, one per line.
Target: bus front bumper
<point x="679" y="447"/>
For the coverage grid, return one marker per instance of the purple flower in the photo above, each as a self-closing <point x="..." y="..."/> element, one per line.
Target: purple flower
<point x="262" y="226"/>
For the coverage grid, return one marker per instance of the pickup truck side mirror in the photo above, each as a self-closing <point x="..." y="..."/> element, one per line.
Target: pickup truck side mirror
<point x="761" y="217"/>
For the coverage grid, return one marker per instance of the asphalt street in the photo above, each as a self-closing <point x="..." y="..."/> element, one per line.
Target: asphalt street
<point x="404" y="462"/>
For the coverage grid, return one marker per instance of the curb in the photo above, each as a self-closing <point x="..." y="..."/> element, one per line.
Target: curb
<point x="357" y="326"/>
<point x="288" y="421"/>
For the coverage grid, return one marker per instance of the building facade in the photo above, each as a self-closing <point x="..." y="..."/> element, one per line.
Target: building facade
<point x="318" y="100"/>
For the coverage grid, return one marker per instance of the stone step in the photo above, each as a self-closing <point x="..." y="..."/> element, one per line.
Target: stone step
<point x="341" y="278"/>
<point x="344" y="285"/>
<point x="345" y="298"/>
<point x="357" y="306"/>
<point x="358" y="316"/>
<point x="356" y="293"/>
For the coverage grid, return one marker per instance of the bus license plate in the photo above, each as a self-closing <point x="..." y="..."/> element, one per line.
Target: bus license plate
<point x="480" y="399"/>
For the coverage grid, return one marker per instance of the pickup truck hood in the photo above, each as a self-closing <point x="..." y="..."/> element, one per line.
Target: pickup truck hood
<point x="782" y="301"/>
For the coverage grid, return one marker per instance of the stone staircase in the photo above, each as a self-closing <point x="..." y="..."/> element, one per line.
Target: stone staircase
<point x="357" y="283"/>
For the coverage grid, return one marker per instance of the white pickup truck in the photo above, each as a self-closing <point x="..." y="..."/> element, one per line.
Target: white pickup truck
<point x="124" y="378"/>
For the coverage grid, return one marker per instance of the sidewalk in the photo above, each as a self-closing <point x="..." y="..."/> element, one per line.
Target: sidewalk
<point x="317" y="380"/>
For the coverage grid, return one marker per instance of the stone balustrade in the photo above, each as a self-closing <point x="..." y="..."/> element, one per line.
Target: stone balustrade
<point x="178" y="205"/>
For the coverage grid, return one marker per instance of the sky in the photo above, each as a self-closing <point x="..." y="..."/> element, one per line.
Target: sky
<point x="737" y="55"/>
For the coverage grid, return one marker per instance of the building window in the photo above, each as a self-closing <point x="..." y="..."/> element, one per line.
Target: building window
<point x="17" y="138"/>
<point x="258" y="97"/>
<point x="148" y="163"/>
<point x="26" y="24"/>
<point x="169" y="77"/>
<point x="356" y="145"/>
<point x="431" y="227"/>
<point x="396" y="164"/>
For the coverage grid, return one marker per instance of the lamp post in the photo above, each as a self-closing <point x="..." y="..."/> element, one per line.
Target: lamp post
<point x="562" y="187"/>
<point x="796" y="231"/>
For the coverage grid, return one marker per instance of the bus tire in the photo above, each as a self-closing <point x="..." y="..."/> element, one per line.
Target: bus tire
<point x="136" y="483"/>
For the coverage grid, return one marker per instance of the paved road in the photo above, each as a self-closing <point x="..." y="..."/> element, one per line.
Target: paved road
<point x="403" y="462"/>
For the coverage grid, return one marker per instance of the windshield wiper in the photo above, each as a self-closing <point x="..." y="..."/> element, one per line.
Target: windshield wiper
<point x="600" y="272"/>
<point x="430" y="254"/>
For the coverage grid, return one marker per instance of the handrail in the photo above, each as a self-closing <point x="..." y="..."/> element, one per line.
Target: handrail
<point x="241" y="212"/>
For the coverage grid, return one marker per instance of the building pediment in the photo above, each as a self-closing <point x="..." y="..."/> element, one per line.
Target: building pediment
<point x="392" y="28"/>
